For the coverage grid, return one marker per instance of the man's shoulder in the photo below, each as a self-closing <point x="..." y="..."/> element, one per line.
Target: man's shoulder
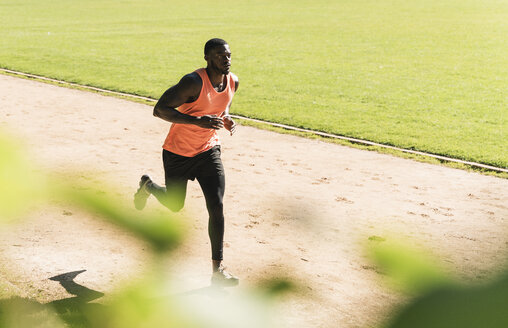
<point x="192" y="78"/>
<point x="191" y="81"/>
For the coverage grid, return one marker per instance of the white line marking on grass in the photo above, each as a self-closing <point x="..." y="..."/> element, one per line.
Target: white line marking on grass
<point x="38" y="77"/>
<point x="287" y="127"/>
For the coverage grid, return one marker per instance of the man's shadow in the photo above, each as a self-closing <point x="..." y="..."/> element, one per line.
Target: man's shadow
<point x="78" y="304"/>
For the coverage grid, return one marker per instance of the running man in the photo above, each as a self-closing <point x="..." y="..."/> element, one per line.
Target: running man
<point x="192" y="148"/>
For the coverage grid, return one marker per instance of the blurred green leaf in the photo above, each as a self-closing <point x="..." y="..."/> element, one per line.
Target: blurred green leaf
<point x="152" y="303"/>
<point x="17" y="312"/>
<point x="140" y="306"/>
<point x="277" y="286"/>
<point x="20" y="185"/>
<point x="161" y="231"/>
<point x="483" y="306"/>
<point x="377" y="239"/>
<point x="407" y="269"/>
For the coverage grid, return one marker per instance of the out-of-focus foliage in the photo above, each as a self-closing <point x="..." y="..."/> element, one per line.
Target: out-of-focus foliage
<point x="18" y="312"/>
<point x="440" y="301"/>
<point x="407" y="269"/>
<point x="151" y="303"/>
<point x="161" y="231"/>
<point x="277" y="286"/>
<point x="20" y="185"/>
<point x="484" y="306"/>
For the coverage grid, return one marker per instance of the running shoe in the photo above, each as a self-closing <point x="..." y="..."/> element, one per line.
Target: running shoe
<point x="142" y="194"/>
<point x="223" y="278"/>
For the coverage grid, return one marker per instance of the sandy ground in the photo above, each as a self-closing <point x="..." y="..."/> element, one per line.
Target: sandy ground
<point x="293" y="206"/>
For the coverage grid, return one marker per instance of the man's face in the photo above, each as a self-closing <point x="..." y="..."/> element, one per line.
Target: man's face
<point x="219" y="59"/>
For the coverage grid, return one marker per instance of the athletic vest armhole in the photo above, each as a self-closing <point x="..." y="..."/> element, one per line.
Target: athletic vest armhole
<point x="232" y="83"/>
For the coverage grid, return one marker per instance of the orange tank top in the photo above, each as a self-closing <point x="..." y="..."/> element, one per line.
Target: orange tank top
<point x="189" y="139"/>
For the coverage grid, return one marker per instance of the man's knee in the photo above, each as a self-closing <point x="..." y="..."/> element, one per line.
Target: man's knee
<point x="175" y="204"/>
<point x="216" y="209"/>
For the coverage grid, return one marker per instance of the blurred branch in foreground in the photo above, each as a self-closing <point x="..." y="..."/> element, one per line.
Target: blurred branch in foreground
<point x="439" y="300"/>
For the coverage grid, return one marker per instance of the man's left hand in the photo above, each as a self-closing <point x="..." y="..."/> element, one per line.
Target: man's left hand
<point x="229" y="124"/>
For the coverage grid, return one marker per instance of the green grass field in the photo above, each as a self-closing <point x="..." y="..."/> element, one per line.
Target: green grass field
<point x="423" y="74"/>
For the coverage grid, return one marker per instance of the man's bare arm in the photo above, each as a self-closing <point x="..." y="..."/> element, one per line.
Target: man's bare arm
<point x="187" y="90"/>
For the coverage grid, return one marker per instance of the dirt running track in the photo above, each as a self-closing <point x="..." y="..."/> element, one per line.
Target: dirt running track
<point x="293" y="206"/>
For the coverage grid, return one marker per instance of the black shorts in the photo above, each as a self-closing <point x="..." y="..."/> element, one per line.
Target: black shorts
<point x="204" y="164"/>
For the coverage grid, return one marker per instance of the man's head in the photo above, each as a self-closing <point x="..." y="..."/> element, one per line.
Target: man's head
<point x="218" y="55"/>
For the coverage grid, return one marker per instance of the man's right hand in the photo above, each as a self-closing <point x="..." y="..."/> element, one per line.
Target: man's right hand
<point x="210" y="122"/>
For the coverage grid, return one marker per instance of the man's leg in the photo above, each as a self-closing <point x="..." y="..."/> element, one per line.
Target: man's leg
<point x="213" y="188"/>
<point x="172" y="196"/>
